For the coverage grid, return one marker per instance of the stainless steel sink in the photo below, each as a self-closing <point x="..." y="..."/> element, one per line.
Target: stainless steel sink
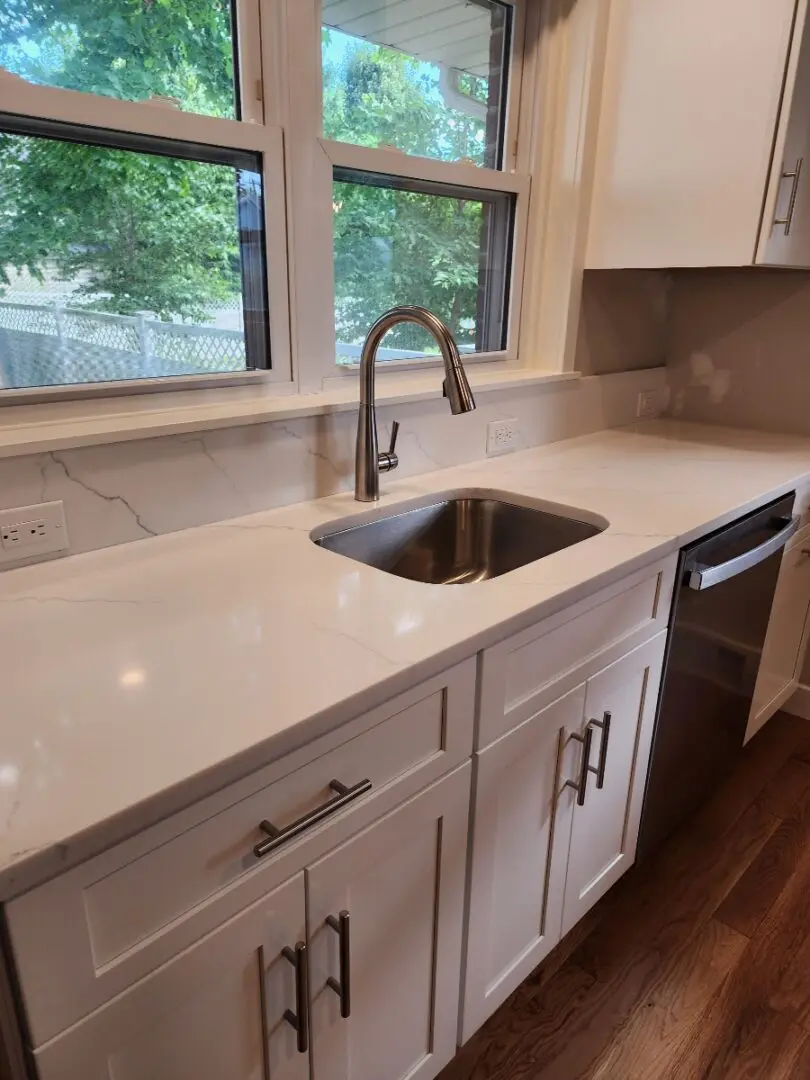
<point x="460" y="537"/>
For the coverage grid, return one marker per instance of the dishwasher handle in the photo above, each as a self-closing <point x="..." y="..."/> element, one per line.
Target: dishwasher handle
<point x="706" y="577"/>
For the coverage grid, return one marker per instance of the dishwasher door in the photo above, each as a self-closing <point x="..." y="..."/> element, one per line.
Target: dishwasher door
<point x="717" y="632"/>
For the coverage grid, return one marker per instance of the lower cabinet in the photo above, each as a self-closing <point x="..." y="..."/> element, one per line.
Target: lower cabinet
<point x="620" y="704"/>
<point x="557" y="805"/>
<point x="402" y="883"/>
<point x="785" y="643"/>
<point x="216" y="1011"/>
<point x="519" y="858"/>
<point x="372" y="985"/>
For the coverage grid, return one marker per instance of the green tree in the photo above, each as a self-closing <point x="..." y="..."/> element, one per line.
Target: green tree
<point x="139" y="231"/>
<point x="128" y="49"/>
<point x="396" y="246"/>
<point x="145" y="232"/>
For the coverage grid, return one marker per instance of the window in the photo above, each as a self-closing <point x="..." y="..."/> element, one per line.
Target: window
<point x="203" y="190"/>
<point x="404" y="242"/>
<point x="180" y="50"/>
<point x="120" y="264"/>
<point x="425" y="78"/>
<point x="430" y="81"/>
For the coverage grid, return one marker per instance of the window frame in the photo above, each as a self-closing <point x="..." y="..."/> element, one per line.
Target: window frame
<point x="312" y="161"/>
<point x="552" y="112"/>
<point x="253" y="133"/>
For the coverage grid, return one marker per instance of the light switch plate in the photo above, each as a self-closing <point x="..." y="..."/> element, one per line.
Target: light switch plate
<point x="650" y="404"/>
<point x="31" y="532"/>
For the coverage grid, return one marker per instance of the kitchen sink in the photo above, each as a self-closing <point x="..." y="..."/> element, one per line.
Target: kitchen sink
<point x="460" y="537"/>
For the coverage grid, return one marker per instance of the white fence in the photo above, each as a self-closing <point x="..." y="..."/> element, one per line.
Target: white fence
<point x="184" y="347"/>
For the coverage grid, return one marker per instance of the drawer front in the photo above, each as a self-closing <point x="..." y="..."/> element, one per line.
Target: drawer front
<point x="525" y="672"/>
<point x="86" y="936"/>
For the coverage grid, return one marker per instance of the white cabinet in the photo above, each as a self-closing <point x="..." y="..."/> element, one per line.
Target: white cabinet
<point x="786" y="640"/>
<point x="785" y="238"/>
<point x="217" y="1011"/>
<point x="229" y="1007"/>
<point x="401" y="884"/>
<point x="620" y="708"/>
<point x="519" y="858"/>
<point x="557" y="809"/>
<point x="690" y="109"/>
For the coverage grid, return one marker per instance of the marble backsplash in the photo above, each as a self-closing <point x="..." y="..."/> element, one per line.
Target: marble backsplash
<point x="132" y="490"/>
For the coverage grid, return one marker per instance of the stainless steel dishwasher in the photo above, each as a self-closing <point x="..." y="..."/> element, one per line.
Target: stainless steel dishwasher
<point x="717" y="630"/>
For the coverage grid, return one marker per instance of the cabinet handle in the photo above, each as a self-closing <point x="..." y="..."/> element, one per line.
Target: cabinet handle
<point x="580" y="785"/>
<point x="343" y="989"/>
<point x="299" y="1020"/>
<point x="604" y="725"/>
<point x="795" y="176"/>
<point x="276" y="837"/>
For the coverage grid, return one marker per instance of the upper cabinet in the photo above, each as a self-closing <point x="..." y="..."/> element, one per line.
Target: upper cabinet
<point x="704" y="125"/>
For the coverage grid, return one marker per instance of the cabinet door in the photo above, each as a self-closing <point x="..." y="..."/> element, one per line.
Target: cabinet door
<point x="401" y="882"/>
<point x="690" y="105"/>
<point x="782" y="655"/>
<point x="216" y="1012"/>
<point x="785" y="237"/>
<point x="519" y="856"/>
<point x="604" y="832"/>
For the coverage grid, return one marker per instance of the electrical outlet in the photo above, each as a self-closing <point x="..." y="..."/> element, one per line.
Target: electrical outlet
<point x="29" y="532"/>
<point x="650" y="404"/>
<point x="502" y="436"/>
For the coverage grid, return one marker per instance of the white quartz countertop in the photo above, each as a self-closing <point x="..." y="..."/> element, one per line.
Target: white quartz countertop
<point x="142" y="677"/>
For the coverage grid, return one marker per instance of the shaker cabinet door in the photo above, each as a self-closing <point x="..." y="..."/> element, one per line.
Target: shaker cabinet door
<point x="519" y="857"/>
<point x="215" y="1012"/>
<point x="620" y="706"/>
<point x="385" y="912"/>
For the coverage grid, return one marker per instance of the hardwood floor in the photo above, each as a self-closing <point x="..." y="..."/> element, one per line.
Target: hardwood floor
<point x="697" y="965"/>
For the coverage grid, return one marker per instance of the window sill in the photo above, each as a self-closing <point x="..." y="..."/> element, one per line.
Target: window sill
<point x="33" y="429"/>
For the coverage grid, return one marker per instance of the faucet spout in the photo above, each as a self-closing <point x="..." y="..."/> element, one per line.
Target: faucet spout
<point x="369" y="463"/>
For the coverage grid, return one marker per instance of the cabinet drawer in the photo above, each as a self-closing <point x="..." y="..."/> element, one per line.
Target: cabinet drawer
<point x="85" y="936"/>
<point x="523" y="673"/>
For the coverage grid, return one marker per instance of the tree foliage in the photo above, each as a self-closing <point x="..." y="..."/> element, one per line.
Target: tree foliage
<point x="146" y="232"/>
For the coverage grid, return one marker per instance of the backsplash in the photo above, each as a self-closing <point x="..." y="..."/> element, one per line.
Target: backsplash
<point x="132" y="490"/>
<point x="738" y="348"/>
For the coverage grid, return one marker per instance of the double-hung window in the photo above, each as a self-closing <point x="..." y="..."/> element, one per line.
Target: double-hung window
<point x="204" y="190"/>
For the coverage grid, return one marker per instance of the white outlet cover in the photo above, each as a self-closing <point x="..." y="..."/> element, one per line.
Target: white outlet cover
<point x="502" y="437"/>
<point x="28" y="533"/>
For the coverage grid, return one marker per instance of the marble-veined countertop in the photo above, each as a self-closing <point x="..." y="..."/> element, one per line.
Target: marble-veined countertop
<point x="142" y="677"/>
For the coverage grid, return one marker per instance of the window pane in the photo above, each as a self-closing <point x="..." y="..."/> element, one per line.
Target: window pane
<point x="397" y="243"/>
<point x="123" y="265"/>
<point x="131" y="49"/>
<point x="424" y="76"/>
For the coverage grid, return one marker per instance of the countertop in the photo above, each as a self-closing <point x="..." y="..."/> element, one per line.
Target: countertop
<point x="142" y="677"/>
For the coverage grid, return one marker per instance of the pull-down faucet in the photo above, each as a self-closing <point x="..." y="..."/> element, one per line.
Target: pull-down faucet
<point x="369" y="462"/>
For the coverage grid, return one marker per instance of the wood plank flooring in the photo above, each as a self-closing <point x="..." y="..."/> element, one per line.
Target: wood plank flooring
<point x="697" y="965"/>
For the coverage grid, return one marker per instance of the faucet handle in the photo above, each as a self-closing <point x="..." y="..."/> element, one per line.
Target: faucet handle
<point x="388" y="461"/>
<point x="392" y="449"/>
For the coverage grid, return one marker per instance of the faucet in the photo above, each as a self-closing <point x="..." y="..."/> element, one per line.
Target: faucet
<point x="369" y="462"/>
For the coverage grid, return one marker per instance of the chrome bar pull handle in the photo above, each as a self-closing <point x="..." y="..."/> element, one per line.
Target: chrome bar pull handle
<point x="604" y="726"/>
<point x="299" y="1020"/>
<point x="580" y="786"/>
<point x="343" y="988"/>
<point x="795" y="175"/>
<point x="276" y="837"/>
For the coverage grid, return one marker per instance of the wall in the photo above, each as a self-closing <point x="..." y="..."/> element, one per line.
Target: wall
<point x="623" y="321"/>
<point x="739" y="348"/>
<point x="129" y="491"/>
